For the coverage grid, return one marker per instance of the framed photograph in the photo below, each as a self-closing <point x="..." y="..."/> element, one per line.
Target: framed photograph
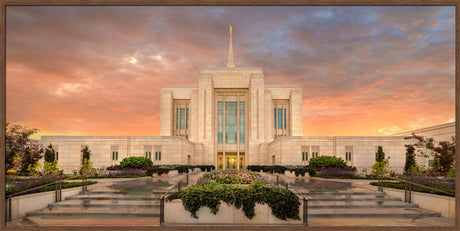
<point x="109" y="107"/>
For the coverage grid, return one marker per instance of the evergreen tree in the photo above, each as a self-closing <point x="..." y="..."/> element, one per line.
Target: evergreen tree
<point x="50" y="154"/>
<point x="379" y="155"/>
<point x="410" y="158"/>
<point x="86" y="153"/>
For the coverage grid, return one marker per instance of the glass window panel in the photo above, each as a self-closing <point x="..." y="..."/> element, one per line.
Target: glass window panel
<point x="177" y="118"/>
<point x="186" y="118"/>
<point x="182" y="118"/>
<point x="159" y="155"/>
<point x="220" y="128"/>
<point x="280" y="118"/>
<point x="230" y="122"/>
<point x="242" y="121"/>
<point x="285" y="118"/>
<point x="274" y="118"/>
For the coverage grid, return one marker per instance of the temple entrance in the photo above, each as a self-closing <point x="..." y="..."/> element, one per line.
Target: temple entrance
<point x="231" y="161"/>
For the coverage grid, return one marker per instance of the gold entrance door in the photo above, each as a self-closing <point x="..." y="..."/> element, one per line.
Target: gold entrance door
<point x="220" y="161"/>
<point x="230" y="161"/>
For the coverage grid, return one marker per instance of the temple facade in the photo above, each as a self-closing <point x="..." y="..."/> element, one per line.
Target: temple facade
<point x="230" y="119"/>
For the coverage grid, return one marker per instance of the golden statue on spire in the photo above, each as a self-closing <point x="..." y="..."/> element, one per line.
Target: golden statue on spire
<point x="230" y="50"/>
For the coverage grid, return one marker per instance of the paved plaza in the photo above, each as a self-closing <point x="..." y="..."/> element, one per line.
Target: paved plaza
<point x="135" y="202"/>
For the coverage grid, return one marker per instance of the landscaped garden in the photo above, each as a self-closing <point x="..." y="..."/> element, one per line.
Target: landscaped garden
<point x="238" y="189"/>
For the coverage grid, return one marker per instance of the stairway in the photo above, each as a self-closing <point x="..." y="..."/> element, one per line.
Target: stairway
<point x="361" y="204"/>
<point x="130" y="203"/>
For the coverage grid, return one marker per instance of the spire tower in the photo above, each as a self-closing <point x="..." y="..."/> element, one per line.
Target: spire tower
<point x="230" y="50"/>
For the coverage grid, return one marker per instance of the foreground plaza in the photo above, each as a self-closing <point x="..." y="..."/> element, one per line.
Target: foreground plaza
<point x="232" y="119"/>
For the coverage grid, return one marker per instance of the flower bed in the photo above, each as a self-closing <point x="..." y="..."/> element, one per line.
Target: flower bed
<point x="15" y="185"/>
<point x="214" y="188"/>
<point x="336" y="172"/>
<point x="444" y="184"/>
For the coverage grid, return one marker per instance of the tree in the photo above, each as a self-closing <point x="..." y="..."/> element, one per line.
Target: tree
<point x="16" y="142"/>
<point x="86" y="153"/>
<point x="410" y="159"/>
<point x="443" y="152"/>
<point x="30" y="157"/>
<point x="379" y="155"/>
<point x="50" y="154"/>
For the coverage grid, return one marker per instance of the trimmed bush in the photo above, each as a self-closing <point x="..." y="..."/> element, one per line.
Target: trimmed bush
<point x="136" y="162"/>
<point x="284" y="204"/>
<point x="327" y="162"/>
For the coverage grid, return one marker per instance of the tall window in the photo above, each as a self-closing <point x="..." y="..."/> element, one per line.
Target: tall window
<point x="348" y="153"/>
<point x="148" y="151"/>
<point x="242" y="114"/>
<point x="280" y="118"/>
<point x="230" y="122"/>
<point x="220" y="121"/>
<point x="114" y="152"/>
<point x="305" y="150"/>
<point x="157" y="154"/>
<point x="182" y="118"/>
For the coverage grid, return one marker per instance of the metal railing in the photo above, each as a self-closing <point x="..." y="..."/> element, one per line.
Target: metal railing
<point x="408" y="188"/>
<point x="162" y="204"/>
<point x="57" y="193"/>
<point x="305" y="207"/>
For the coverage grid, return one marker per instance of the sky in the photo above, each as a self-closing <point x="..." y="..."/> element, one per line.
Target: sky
<point x="364" y="71"/>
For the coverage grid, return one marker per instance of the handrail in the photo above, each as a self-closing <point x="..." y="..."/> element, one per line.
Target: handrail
<point x="41" y="186"/>
<point x="305" y="207"/>
<point x="58" y="193"/>
<point x="424" y="186"/>
<point x="162" y="204"/>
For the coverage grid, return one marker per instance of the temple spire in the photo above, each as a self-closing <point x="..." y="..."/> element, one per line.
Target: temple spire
<point x="230" y="50"/>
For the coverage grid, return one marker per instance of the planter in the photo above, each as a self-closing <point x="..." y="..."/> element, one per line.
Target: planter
<point x="175" y="213"/>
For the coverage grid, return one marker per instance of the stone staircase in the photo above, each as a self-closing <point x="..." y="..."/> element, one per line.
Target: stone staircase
<point x="105" y="202"/>
<point x="361" y="204"/>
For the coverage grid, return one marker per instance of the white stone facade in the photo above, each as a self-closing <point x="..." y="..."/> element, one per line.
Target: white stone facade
<point x="231" y="119"/>
<point x="194" y="139"/>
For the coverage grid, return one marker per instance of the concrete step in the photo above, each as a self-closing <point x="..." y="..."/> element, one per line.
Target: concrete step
<point x="345" y="197"/>
<point x="355" y="199"/>
<point x="121" y="193"/>
<point x="113" y="197"/>
<point x="114" y="206"/>
<point x="371" y="213"/>
<point x="391" y="203"/>
<point x="107" y="202"/>
<point x="345" y="193"/>
<point x="104" y="212"/>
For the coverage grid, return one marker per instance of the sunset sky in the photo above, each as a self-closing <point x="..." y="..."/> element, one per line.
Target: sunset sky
<point x="99" y="70"/>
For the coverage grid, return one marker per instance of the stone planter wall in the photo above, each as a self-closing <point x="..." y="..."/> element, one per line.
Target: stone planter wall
<point x="176" y="214"/>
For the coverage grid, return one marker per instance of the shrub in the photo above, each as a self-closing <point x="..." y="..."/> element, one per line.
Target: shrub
<point x="279" y="169"/>
<point x="159" y="171"/>
<point x="114" y="167"/>
<point x="451" y="172"/>
<point x="50" y="154"/>
<point x="182" y="169"/>
<point x="284" y="204"/>
<point x="206" y="168"/>
<point x="327" y="162"/>
<point x="136" y="162"/>
<point x="254" y="168"/>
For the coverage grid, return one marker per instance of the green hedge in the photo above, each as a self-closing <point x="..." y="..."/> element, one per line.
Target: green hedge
<point x="162" y="169"/>
<point x="300" y="171"/>
<point x="284" y="204"/>
<point x="327" y="162"/>
<point x="136" y="162"/>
